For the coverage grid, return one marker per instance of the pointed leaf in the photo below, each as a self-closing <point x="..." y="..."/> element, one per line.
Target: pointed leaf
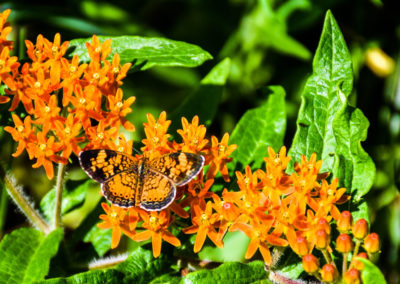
<point x="25" y="255"/>
<point x="147" y="51"/>
<point x="326" y="124"/>
<point x="259" y="128"/>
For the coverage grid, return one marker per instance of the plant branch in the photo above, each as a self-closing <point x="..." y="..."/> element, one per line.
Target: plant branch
<point x="59" y="190"/>
<point x="23" y="203"/>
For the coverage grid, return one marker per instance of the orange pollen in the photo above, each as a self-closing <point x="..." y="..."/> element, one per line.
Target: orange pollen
<point x="37" y="84"/>
<point x="96" y="76"/>
<point x="97" y="49"/>
<point x="72" y="69"/>
<point x="156" y="139"/>
<point x="115" y="70"/>
<point x="42" y="146"/>
<point x="67" y="130"/>
<point x="119" y="104"/>
<point x="20" y="128"/>
<point x="100" y="135"/>
<point x="47" y="109"/>
<point x="82" y="100"/>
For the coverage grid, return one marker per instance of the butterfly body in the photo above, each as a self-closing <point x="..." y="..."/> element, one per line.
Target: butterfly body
<point x="151" y="185"/>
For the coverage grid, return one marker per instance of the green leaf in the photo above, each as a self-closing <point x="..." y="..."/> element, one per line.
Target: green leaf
<point x="259" y="128"/>
<point x="235" y="246"/>
<point x="95" y="276"/>
<point x="326" y="124"/>
<point x="142" y="267"/>
<point x="370" y="273"/>
<point x="204" y="101"/>
<point x="25" y="255"/>
<point x="361" y="211"/>
<point x="233" y="272"/>
<point x="100" y="239"/>
<point x="70" y="199"/>
<point x="147" y="52"/>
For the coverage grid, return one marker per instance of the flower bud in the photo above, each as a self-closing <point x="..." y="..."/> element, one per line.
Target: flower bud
<point x="352" y="276"/>
<point x="301" y="246"/>
<point x="360" y="229"/>
<point x="322" y="223"/>
<point x="310" y="263"/>
<point x="322" y="239"/>
<point x="371" y="243"/>
<point x="344" y="243"/>
<point x="329" y="273"/>
<point x="344" y="222"/>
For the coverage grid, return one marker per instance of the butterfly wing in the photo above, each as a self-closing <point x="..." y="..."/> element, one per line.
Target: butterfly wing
<point x="158" y="191"/>
<point x="102" y="164"/>
<point x="121" y="189"/>
<point x="179" y="167"/>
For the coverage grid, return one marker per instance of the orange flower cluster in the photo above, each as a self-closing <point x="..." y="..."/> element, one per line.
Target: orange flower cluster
<point x="192" y="195"/>
<point x="66" y="103"/>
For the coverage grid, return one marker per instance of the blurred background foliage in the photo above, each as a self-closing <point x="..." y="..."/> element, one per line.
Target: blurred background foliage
<point x="270" y="43"/>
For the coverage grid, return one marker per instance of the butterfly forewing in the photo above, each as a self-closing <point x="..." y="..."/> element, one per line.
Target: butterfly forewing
<point x="179" y="167"/>
<point x="158" y="191"/>
<point x="101" y="165"/>
<point x="121" y="188"/>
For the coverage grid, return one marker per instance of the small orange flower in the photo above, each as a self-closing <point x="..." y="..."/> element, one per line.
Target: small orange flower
<point x="23" y="133"/>
<point x="119" y="109"/>
<point x="117" y="219"/>
<point x="193" y="135"/>
<point x="156" y="225"/>
<point x="156" y="134"/>
<point x="219" y="153"/>
<point x="203" y="224"/>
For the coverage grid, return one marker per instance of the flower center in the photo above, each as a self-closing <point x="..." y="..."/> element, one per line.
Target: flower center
<point x="82" y="100"/>
<point x="47" y="109"/>
<point x="195" y="141"/>
<point x="119" y="104"/>
<point x="97" y="49"/>
<point x="67" y="130"/>
<point x="54" y="49"/>
<point x="72" y="69"/>
<point x="20" y="128"/>
<point x="115" y="70"/>
<point x="37" y="84"/>
<point x="203" y="218"/>
<point x="96" y="76"/>
<point x="221" y="148"/>
<point x="156" y="139"/>
<point x="42" y="146"/>
<point x="100" y="135"/>
<point x="153" y="220"/>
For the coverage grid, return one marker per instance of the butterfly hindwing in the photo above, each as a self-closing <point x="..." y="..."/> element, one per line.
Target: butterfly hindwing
<point x="121" y="189"/>
<point x="102" y="164"/>
<point x="158" y="191"/>
<point x="179" y="167"/>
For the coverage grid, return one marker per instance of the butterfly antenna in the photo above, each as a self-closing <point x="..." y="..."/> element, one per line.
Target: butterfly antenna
<point x="136" y="150"/>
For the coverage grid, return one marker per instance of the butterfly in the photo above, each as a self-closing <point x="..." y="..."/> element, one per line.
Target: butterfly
<point x="149" y="184"/>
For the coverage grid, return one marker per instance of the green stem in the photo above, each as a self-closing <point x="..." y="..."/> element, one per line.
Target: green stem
<point x="326" y="255"/>
<point x="344" y="267"/>
<point x="59" y="190"/>
<point x="358" y="243"/>
<point x="23" y="203"/>
<point x="107" y="262"/>
<point x="3" y="208"/>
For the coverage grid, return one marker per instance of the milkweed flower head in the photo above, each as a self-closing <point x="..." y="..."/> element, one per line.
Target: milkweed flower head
<point x="66" y="104"/>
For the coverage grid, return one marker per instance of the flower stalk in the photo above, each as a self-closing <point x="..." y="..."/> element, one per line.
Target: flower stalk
<point x="59" y="189"/>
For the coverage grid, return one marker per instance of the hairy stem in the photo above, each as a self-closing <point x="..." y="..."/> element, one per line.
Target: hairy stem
<point x="344" y="267"/>
<point x="3" y="208"/>
<point x="327" y="256"/>
<point x="107" y="262"/>
<point x="59" y="190"/>
<point x="23" y="203"/>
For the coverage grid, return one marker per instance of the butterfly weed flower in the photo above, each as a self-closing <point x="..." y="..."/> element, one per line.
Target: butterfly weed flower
<point x="219" y="156"/>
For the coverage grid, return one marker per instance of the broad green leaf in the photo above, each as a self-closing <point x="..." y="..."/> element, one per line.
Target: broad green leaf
<point x="142" y="267"/>
<point x="361" y="211"/>
<point x="100" y="239"/>
<point x="167" y="279"/>
<point x="235" y="246"/>
<point x="204" y="101"/>
<point x="147" y="52"/>
<point x="70" y="199"/>
<point x="370" y="273"/>
<point x="109" y="276"/>
<point x="326" y="124"/>
<point x="259" y="128"/>
<point x="25" y="255"/>
<point x="233" y="272"/>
